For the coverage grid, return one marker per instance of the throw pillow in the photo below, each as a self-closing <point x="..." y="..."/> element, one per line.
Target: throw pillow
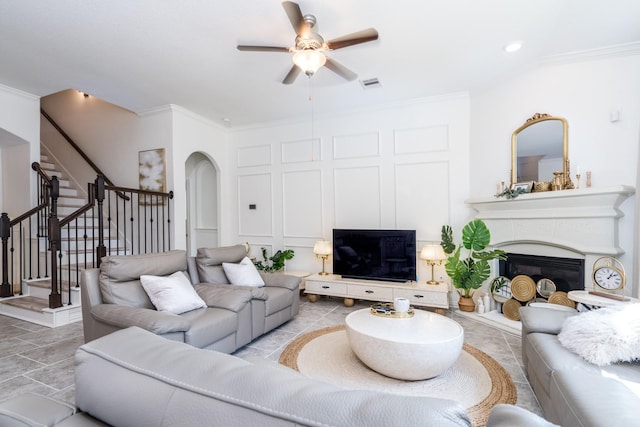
<point x="173" y="293"/>
<point x="244" y="273"/>
<point x="604" y="336"/>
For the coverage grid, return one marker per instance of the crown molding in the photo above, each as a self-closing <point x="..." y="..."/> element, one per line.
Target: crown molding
<point x="620" y="50"/>
<point x="18" y="92"/>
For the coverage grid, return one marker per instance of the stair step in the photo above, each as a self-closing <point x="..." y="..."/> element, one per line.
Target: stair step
<point x="68" y="192"/>
<point x="71" y="201"/>
<point x="28" y="303"/>
<point x="46" y="165"/>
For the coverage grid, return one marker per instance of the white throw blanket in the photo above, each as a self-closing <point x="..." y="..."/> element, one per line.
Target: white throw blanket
<point x="604" y="336"/>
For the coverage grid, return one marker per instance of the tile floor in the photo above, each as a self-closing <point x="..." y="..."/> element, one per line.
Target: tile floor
<point x="40" y="359"/>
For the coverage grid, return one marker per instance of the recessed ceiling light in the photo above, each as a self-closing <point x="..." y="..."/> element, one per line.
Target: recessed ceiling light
<point x="513" y="46"/>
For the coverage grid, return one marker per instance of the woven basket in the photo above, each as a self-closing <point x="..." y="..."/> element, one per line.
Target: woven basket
<point x="561" y="298"/>
<point x="510" y="309"/>
<point x="523" y="288"/>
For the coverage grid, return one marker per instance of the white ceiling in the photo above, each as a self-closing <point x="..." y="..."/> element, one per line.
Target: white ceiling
<point x="142" y="54"/>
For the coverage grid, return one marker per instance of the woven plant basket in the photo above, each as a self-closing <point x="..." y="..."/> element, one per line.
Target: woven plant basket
<point x="510" y="309"/>
<point x="523" y="288"/>
<point x="561" y="298"/>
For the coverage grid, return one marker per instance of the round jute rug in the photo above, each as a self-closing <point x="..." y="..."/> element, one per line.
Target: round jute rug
<point x="476" y="380"/>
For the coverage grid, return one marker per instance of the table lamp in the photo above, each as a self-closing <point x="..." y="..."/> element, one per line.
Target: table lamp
<point x="433" y="254"/>
<point x="322" y="249"/>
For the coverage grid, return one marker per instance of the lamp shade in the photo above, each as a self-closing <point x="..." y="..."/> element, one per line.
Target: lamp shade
<point x="432" y="253"/>
<point x="309" y="60"/>
<point x="322" y="247"/>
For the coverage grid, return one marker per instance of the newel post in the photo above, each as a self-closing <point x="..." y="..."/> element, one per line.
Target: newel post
<point x="55" y="298"/>
<point x="101" y="249"/>
<point x="5" y="233"/>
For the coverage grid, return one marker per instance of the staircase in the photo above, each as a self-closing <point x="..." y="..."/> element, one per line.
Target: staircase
<point x="45" y="248"/>
<point x="33" y="305"/>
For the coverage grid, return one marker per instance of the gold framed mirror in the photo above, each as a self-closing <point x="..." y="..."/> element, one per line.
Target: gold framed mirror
<point x="540" y="148"/>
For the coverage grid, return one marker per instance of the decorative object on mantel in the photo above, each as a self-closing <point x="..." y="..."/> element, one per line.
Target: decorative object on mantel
<point x="540" y="144"/>
<point x="540" y="186"/>
<point x="511" y="193"/>
<point x="468" y="273"/>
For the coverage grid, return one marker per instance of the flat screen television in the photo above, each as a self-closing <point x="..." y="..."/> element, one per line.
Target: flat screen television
<point x="375" y="254"/>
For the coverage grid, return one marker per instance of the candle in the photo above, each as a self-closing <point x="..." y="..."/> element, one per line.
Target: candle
<point x="578" y="171"/>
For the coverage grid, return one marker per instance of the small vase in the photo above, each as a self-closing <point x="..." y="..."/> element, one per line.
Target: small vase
<point x="466" y="304"/>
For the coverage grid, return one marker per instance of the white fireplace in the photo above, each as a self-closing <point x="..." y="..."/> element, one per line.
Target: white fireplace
<point x="581" y="223"/>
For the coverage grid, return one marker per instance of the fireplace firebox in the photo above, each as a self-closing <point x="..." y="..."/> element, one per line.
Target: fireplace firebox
<point x="566" y="273"/>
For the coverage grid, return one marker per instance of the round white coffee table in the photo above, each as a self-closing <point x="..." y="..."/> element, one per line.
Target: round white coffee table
<point x="412" y="348"/>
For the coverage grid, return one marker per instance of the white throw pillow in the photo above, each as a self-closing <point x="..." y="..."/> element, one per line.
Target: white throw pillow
<point x="604" y="336"/>
<point x="173" y="293"/>
<point x="244" y="273"/>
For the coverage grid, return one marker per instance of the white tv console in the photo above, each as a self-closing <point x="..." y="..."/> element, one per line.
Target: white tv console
<point x="419" y="294"/>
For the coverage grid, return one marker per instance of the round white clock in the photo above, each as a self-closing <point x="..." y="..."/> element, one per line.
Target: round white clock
<point x="608" y="274"/>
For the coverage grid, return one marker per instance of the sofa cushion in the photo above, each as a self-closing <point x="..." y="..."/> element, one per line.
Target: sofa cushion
<point x="209" y="262"/>
<point x="120" y="275"/>
<point x="545" y="355"/>
<point x="209" y="325"/>
<point x="224" y="296"/>
<point x="604" y="336"/>
<point x="173" y="293"/>
<point x="243" y="273"/>
<point x="594" y="399"/>
<point x="278" y="299"/>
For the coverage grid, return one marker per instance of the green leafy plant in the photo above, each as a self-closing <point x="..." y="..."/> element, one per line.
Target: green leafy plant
<point x="274" y="262"/>
<point x="468" y="272"/>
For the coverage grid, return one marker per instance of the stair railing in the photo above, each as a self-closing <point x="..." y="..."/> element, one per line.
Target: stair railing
<point x="115" y="221"/>
<point x="30" y="224"/>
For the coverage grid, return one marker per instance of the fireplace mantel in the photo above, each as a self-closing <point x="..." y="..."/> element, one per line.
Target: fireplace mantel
<point x="580" y="223"/>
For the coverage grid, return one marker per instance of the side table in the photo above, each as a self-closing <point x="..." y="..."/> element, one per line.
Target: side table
<point x="595" y="301"/>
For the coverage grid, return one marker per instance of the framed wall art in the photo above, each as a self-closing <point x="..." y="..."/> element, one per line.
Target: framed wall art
<point x="152" y="170"/>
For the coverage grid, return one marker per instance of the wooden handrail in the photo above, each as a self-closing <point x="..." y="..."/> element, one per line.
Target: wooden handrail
<point x="36" y="167"/>
<point x="79" y="150"/>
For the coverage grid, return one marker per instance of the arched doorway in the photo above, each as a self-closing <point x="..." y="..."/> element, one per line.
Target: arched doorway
<point x="202" y="202"/>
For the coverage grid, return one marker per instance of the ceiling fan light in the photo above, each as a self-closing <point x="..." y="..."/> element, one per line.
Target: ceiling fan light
<point x="309" y="60"/>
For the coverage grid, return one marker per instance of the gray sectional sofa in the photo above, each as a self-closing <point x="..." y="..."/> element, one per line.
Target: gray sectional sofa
<point x="135" y="378"/>
<point x="113" y="298"/>
<point x="571" y="391"/>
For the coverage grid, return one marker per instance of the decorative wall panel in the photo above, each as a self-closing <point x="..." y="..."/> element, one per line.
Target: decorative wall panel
<point x="301" y="151"/>
<point x="359" y="145"/>
<point x="357" y="197"/>
<point x="254" y="156"/>
<point x="302" y="204"/>
<point x="421" y="140"/>
<point x="255" y="205"/>
<point x="422" y="197"/>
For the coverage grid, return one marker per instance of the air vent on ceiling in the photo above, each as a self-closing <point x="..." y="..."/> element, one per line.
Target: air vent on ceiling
<point x="370" y="83"/>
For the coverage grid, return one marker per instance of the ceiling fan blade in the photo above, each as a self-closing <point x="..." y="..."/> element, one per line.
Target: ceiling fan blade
<point x="363" y="36"/>
<point x="292" y="75"/>
<point x="340" y="70"/>
<point x="263" y="48"/>
<point x="295" y="15"/>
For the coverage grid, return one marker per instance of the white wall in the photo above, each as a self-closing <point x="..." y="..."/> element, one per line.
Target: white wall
<point x="403" y="166"/>
<point x="585" y="93"/>
<point x="192" y="133"/>
<point x="19" y="125"/>
<point x="109" y="135"/>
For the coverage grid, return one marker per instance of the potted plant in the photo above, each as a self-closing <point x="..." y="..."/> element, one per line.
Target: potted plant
<point x="468" y="269"/>
<point x="275" y="262"/>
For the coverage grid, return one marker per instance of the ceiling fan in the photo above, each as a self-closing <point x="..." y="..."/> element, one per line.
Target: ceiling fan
<point x="309" y="46"/>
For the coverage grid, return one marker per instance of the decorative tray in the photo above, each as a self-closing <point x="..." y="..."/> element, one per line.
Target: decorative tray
<point x="385" y="309"/>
